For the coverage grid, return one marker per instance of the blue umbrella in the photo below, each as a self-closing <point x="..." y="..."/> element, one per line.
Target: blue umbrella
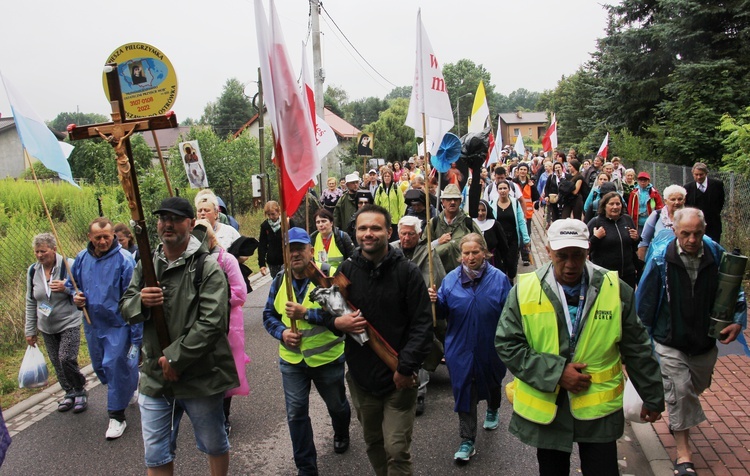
<point x="448" y="152"/>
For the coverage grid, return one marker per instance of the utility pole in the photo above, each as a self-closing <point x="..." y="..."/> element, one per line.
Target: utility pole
<point x="261" y="142"/>
<point x="318" y="79"/>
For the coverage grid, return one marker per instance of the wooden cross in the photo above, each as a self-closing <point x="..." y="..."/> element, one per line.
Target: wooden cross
<point x="118" y="133"/>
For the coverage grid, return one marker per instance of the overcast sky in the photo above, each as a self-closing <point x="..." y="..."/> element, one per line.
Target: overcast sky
<point x="53" y="51"/>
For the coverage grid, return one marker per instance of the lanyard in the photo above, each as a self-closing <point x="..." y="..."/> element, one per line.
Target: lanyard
<point x="574" y="323"/>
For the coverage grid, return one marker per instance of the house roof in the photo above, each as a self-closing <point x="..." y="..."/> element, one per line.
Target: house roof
<point x="339" y="125"/>
<point x="6" y="123"/>
<point x="525" y="117"/>
<point x="9" y="123"/>
<point x="167" y="137"/>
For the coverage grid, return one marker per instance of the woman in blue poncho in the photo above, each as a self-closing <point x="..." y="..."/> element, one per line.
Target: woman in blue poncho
<point x="471" y="299"/>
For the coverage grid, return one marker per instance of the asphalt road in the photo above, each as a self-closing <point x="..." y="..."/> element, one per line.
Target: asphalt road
<point x="68" y="444"/>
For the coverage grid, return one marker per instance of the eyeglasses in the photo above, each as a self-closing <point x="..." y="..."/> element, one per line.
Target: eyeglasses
<point x="452" y="199"/>
<point x="172" y="218"/>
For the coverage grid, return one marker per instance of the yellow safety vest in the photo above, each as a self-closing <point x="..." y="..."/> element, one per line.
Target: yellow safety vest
<point x="333" y="256"/>
<point x="319" y="346"/>
<point x="597" y="347"/>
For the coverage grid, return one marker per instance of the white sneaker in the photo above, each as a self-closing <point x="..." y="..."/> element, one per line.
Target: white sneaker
<point x="134" y="398"/>
<point x="116" y="429"/>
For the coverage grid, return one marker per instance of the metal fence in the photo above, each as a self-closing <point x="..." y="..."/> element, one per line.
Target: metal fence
<point x="736" y="213"/>
<point x="16" y="253"/>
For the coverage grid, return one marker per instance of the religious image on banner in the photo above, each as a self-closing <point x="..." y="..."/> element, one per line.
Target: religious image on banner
<point x="191" y="157"/>
<point x="365" y="143"/>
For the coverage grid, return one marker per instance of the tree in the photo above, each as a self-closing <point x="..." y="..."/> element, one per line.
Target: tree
<point x="335" y="99"/>
<point x="61" y="121"/>
<point x="399" y="92"/>
<point x="231" y="110"/>
<point x="393" y="140"/>
<point x="462" y="80"/>
<point x="94" y="159"/>
<point x="364" y="111"/>
<point x="523" y="99"/>
<point x="736" y="133"/>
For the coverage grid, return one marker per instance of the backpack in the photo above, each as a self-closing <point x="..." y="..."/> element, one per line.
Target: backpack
<point x="198" y="280"/>
<point x="565" y="190"/>
<point x="32" y="272"/>
<point x="468" y="221"/>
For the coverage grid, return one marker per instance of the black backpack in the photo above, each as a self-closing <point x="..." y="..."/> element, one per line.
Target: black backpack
<point x="565" y="189"/>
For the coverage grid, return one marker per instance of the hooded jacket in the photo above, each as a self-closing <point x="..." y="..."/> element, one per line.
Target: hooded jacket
<point x="393" y="298"/>
<point x="197" y="321"/>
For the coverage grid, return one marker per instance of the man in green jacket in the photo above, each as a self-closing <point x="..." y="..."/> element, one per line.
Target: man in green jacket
<point x="449" y="227"/>
<point x="192" y="373"/>
<point x="565" y="333"/>
<point x="346" y="207"/>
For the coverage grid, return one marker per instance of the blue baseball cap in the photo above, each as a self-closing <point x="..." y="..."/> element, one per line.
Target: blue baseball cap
<point x="298" y="235"/>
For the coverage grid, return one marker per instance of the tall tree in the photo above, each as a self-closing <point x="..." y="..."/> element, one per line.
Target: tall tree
<point x="61" y="121"/>
<point x="232" y="109"/>
<point x="364" y="111"/>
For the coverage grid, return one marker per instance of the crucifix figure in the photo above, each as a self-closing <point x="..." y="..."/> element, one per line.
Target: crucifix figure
<point x="117" y="133"/>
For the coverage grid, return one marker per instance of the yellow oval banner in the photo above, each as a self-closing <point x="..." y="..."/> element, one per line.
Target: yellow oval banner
<point x="147" y="80"/>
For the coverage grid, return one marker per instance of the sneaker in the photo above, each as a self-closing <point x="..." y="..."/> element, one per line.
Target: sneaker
<point x="81" y="403"/>
<point x="116" y="429"/>
<point x="134" y="398"/>
<point x="526" y="262"/>
<point x="465" y="451"/>
<point x="340" y="444"/>
<point x="491" y="420"/>
<point x="420" y="405"/>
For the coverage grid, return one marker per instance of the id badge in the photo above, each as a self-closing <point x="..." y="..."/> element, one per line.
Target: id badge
<point x="45" y="309"/>
<point x="322" y="256"/>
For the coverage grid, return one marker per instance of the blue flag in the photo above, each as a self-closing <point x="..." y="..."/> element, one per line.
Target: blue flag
<point x="37" y="139"/>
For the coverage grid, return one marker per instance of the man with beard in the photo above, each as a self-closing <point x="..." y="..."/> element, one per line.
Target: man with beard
<point x="390" y="295"/>
<point x="194" y="371"/>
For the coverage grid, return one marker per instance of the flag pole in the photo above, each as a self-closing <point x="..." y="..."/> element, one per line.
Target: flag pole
<point x="54" y="230"/>
<point x="427" y="211"/>
<point x="163" y="164"/>
<point x="285" y="236"/>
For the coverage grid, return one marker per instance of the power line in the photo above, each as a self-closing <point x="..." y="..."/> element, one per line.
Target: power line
<point x="354" y="47"/>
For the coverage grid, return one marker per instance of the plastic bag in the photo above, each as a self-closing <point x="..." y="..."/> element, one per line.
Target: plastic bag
<point x="33" y="373"/>
<point x="632" y="403"/>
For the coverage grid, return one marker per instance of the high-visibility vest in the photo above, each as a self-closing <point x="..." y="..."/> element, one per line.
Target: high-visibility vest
<point x="597" y="347"/>
<point x="526" y="192"/>
<point x="333" y="256"/>
<point x="318" y="346"/>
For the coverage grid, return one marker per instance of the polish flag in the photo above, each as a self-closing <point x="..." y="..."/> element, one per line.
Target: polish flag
<point x="294" y="133"/>
<point x="549" y="141"/>
<point x="603" y="149"/>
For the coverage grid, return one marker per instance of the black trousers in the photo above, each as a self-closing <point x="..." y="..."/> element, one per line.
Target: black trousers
<point x="597" y="459"/>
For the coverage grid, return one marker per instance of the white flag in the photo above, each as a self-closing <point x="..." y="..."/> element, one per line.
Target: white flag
<point x="519" y="148"/>
<point x="429" y="95"/>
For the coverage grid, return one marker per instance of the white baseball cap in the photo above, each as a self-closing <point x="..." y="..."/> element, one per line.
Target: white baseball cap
<point x="352" y="178"/>
<point x="568" y="233"/>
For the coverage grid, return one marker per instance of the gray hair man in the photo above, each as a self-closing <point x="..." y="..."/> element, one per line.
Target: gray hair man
<point x="414" y="247"/>
<point x="676" y="297"/>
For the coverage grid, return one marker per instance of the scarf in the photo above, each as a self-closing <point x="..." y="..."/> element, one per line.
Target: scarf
<point x="275" y="225"/>
<point x="471" y="277"/>
<point x="665" y="220"/>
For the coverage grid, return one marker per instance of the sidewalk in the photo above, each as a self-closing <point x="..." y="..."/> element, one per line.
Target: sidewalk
<point x="721" y="445"/>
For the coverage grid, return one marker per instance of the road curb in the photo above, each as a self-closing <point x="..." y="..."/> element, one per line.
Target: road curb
<point x="653" y="449"/>
<point x="40" y="397"/>
<point x="256" y="280"/>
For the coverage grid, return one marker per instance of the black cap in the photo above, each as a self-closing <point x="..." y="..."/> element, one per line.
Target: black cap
<point x="177" y="205"/>
<point x="413" y="196"/>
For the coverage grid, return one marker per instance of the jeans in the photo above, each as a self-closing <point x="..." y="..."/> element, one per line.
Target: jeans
<point x="329" y="381"/>
<point x="160" y="423"/>
<point x="387" y="423"/>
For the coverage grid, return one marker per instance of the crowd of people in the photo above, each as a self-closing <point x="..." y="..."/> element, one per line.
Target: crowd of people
<point x="424" y="283"/>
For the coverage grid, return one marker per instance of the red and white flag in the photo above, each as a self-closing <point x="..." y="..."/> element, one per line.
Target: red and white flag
<point x="549" y="141"/>
<point x="295" y="149"/>
<point x="429" y="95"/>
<point x="605" y="145"/>
<point x="325" y="138"/>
